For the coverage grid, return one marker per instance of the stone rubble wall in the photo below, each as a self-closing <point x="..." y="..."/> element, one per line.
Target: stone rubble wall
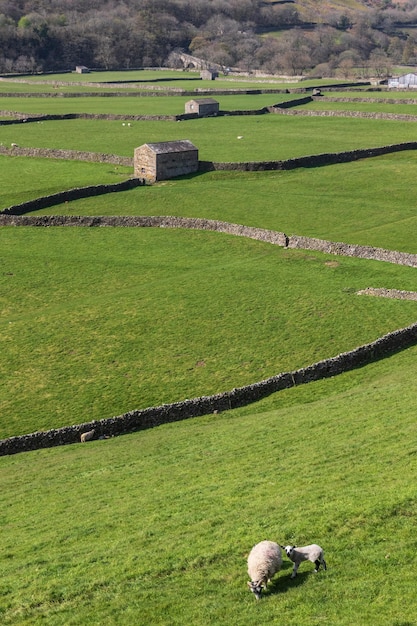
<point x="74" y="155"/>
<point x="315" y="160"/>
<point x="204" y="405"/>
<point x="68" y="196"/>
<point x="398" y="117"/>
<point x="13" y="216"/>
<point x="397" y="294"/>
<point x="154" y="416"/>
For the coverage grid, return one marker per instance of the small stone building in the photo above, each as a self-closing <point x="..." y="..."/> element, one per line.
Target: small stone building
<point x="82" y="69"/>
<point x="166" y="159"/>
<point x="407" y="81"/>
<point x="202" y="106"/>
<point x="209" y="74"/>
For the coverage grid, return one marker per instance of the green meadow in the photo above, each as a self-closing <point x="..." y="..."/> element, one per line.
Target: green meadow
<point x="142" y="317"/>
<point x="367" y="107"/>
<point x="133" y="105"/>
<point x="174" y="79"/>
<point x="155" y="527"/>
<point x="264" y="137"/>
<point x="381" y="214"/>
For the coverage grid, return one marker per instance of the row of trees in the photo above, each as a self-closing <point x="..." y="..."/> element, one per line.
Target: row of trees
<point x="48" y="35"/>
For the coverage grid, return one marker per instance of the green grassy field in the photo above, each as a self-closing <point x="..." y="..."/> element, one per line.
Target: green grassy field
<point x="182" y="80"/>
<point x="49" y="176"/>
<point x="144" y="317"/>
<point x="381" y="214"/>
<point x="265" y="137"/>
<point x="155" y="527"/>
<point x="133" y="105"/>
<point x="382" y="94"/>
<point x="374" y="107"/>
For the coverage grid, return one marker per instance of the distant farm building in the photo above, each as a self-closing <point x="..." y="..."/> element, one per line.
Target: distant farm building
<point x="202" y="106"/>
<point x="82" y="69"/>
<point x="166" y="159"/>
<point x="209" y="74"/>
<point x="407" y="81"/>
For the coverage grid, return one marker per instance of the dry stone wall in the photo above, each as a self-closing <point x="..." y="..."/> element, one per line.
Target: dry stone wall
<point x="14" y="217"/>
<point x="315" y="160"/>
<point x="69" y="195"/>
<point x="154" y="416"/>
<point x="51" y="153"/>
<point x="204" y="405"/>
<point x="399" y="117"/>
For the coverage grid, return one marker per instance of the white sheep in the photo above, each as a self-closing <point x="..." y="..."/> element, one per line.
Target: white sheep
<point x="264" y="561"/>
<point x="87" y="436"/>
<point x="14" y="145"/>
<point x="313" y="553"/>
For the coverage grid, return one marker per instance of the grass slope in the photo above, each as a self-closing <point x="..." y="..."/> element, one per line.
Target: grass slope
<point x="266" y="137"/>
<point x="49" y="176"/>
<point x="142" y="317"/>
<point x="367" y="202"/>
<point x="133" y="105"/>
<point x="155" y="528"/>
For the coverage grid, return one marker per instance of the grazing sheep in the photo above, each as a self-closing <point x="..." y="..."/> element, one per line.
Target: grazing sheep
<point x="14" y="145"/>
<point x="264" y="561"/>
<point x="87" y="436"/>
<point x="312" y="553"/>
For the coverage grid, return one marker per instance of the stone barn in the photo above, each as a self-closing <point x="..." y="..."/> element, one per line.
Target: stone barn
<point x="407" y="81"/>
<point x="82" y="69"/>
<point x="209" y="74"/>
<point x="202" y="106"/>
<point x="167" y="159"/>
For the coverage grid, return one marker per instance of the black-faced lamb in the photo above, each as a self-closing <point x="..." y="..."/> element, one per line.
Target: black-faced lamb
<point x="264" y="561"/>
<point x="313" y="553"/>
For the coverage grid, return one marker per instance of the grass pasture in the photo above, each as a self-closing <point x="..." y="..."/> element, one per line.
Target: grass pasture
<point x="366" y="107"/>
<point x="49" y="176"/>
<point x="155" y="527"/>
<point x="265" y="137"/>
<point x="144" y="317"/>
<point x="381" y="214"/>
<point x="165" y="79"/>
<point x="133" y="105"/>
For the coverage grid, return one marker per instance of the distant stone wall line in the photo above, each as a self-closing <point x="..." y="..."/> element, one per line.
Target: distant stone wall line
<point x="399" y="117"/>
<point x="314" y="160"/>
<point x="366" y="100"/>
<point x="154" y="416"/>
<point x="72" y="155"/>
<point x="55" y="199"/>
<point x="8" y="218"/>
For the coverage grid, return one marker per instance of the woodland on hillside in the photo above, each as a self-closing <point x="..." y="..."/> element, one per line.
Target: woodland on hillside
<point x="283" y="36"/>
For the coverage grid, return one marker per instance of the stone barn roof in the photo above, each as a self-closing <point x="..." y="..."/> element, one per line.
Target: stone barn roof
<point x="204" y="101"/>
<point x="162" y="147"/>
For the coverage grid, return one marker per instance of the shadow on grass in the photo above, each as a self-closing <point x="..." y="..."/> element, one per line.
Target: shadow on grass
<point x="285" y="583"/>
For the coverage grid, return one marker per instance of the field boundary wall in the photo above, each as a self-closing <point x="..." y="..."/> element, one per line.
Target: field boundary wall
<point x="315" y="160"/>
<point x="14" y="217"/>
<point x="204" y="405"/>
<point x="71" y="194"/>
